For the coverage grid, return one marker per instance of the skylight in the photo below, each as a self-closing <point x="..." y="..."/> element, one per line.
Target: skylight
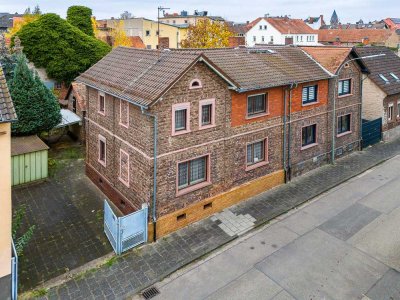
<point x="384" y="78"/>
<point x="395" y="76"/>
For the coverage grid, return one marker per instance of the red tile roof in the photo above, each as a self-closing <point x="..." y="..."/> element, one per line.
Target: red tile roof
<point x="7" y="110"/>
<point x="329" y="57"/>
<point x="286" y="25"/>
<point x="136" y="42"/>
<point x="375" y="36"/>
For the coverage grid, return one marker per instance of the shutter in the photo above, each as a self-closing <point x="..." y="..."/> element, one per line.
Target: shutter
<point x="305" y="94"/>
<point x="346" y="86"/>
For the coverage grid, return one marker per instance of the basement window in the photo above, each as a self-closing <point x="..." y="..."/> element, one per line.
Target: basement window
<point x="181" y="217"/>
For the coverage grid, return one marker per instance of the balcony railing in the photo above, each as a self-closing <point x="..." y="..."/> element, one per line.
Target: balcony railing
<point x="14" y="273"/>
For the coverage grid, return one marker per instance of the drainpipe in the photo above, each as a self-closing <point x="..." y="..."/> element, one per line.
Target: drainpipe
<point x="284" y="134"/>
<point x="335" y="86"/>
<point x="361" y="102"/>
<point x="154" y="204"/>
<point x="289" y="169"/>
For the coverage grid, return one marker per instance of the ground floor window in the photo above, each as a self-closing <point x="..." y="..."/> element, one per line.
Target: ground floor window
<point x="390" y="112"/>
<point x="124" y="167"/>
<point x="309" y="135"/>
<point x="192" y="172"/>
<point x="102" y="150"/>
<point x="255" y="152"/>
<point x="343" y="124"/>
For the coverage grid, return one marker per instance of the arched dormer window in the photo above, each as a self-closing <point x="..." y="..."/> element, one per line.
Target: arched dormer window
<point x="195" y="84"/>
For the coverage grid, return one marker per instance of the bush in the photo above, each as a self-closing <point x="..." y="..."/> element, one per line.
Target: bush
<point x="80" y="16"/>
<point x="62" y="49"/>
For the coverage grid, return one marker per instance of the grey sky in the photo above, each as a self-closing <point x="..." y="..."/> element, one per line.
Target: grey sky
<point x="236" y="10"/>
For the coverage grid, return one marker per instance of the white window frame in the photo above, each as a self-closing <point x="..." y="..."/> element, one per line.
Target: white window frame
<point x="122" y="152"/>
<point x="390" y="111"/>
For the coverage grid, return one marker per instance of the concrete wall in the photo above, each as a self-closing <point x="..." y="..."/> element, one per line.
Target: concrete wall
<point x="373" y="96"/>
<point x="5" y="201"/>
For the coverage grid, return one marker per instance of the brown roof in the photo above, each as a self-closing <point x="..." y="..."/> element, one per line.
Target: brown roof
<point x="329" y="57"/>
<point x="286" y="25"/>
<point x="142" y="76"/>
<point x="27" y="144"/>
<point x="79" y="91"/>
<point x="7" y="110"/>
<point x="136" y="42"/>
<point x="390" y="63"/>
<point x="375" y="36"/>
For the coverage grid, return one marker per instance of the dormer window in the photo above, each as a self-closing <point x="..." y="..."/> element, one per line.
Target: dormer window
<point x="195" y="84"/>
<point x="384" y="79"/>
<point x="395" y="76"/>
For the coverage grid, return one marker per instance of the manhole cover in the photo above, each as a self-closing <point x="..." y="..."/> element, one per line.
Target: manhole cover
<point x="150" y="292"/>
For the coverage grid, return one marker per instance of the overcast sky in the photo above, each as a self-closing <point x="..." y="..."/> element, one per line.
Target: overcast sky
<point x="235" y="10"/>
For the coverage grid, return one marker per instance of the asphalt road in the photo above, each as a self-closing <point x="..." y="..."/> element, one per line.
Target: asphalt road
<point x="343" y="245"/>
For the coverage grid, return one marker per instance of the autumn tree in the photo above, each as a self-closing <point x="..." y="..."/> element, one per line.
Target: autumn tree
<point x="207" y="34"/>
<point x="119" y="36"/>
<point x="27" y="18"/>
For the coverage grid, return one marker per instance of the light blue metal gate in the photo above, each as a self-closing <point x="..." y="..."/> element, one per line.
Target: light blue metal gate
<point x="14" y="273"/>
<point x="125" y="232"/>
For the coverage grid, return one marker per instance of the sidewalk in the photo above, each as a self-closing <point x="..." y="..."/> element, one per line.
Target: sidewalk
<point x="128" y="274"/>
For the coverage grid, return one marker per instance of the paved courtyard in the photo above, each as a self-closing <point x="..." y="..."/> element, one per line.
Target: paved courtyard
<point x="343" y="245"/>
<point x="67" y="210"/>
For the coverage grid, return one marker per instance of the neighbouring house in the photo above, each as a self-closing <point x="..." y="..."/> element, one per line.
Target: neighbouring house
<point x="29" y="159"/>
<point x="145" y="32"/>
<point x="353" y="37"/>
<point x="280" y="31"/>
<point x="392" y="23"/>
<point x="184" y="18"/>
<point x="315" y="22"/>
<point x="75" y="101"/>
<point x="344" y="94"/>
<point x="7" y="21"/>
<point x="214" y="126"/>
<point x="381" y="89"/>
<point x="8" y="271"/>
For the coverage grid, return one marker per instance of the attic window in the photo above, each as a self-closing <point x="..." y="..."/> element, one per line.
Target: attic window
<point x="395" y="76"/>
<point x="384" y="79"/>
<point x="346" y="65"/>
<point x="195" y="84"/>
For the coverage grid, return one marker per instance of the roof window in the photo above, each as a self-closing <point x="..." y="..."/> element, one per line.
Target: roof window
<point x="384" y="79"/>
<point x="395" y="76"/>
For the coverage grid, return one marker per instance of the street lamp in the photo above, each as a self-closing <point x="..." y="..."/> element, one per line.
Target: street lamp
<point x="336" y="86"/>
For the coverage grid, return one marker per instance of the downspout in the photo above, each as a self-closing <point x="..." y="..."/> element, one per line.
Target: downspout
<point x="361" y="101"/>
<point x="284" y="135"/>
<point x="293" y="85"/>
<point x="154" y="204"/>
<point x="335" y="86"/>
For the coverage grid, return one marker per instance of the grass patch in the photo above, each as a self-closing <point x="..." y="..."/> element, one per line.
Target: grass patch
<point x="99" y="216"/>
<point x="54" y="166"/>
<point x="39" y="293"/>
<point x="111" y="261"/>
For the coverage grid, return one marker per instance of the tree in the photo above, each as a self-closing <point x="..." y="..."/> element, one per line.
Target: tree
<point x="36" y="10"/>
<point x="37" y="108"/>
<point x="7" y="60"/>
<point x="18" y="23"/>
<point x="62" y="49"/>
<point x="20" y="240"/>
<point x="94" y="27"/>
<point x="81" y="17"/>
<point x="119" y="36"/>
<point x="207" y="34"/>
<point x="126" y="15"/>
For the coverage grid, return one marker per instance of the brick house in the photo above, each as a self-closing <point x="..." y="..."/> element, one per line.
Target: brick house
<point x="219" y="118"/>
<point x="345" y="90"/>
<point x="75" y="101"/>
<point x="381" y="89"/>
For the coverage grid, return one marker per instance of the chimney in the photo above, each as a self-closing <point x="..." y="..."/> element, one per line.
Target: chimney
<point x="247" y="22"/>
<point x="321" y="17"/>
<point x="365" y="41"/>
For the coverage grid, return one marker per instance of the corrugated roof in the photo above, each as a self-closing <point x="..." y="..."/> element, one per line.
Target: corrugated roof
<point x="7" y="110"/>
<point x="27" y="144"/>
<point x="140" y="76"/>
<point x="329" y="57"/>
<point x="390" y="63"/>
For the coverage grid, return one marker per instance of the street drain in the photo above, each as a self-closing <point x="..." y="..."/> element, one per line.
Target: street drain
<point x="150" y="293"/>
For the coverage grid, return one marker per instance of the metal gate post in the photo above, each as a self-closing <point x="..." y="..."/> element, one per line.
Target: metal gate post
<point x="119" y="239"/>
<point x="146" y="213"/>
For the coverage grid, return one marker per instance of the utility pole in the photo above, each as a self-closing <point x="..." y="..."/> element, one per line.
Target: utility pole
<point x="160" y="8"/>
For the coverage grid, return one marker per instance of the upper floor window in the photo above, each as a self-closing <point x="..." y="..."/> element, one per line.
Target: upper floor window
<point x="147" y="32"/>
<point x="193" y="172"/>
<point x="262" y="39"/>
<point x="102" y="150"/>
<point x="207" y="113"/>
<point x="124" y="167"/>
<point x="102" y="103"/>
<point x="344" y="87"/>
<point x="309" y="94"/>
<point x="261" y="27"/>
<point x="390" y="112"/>
<point x="309" y="136"/>
<point x="180" y="118"/>
<point x="343" y="125"/>
<point x="265" y="27"/>
<point x="272" y="39"/>
<point x="195" y="84"/>
<point x="256" y="104"/>
<point x="123" y="113"/>
<point x="254" y="38"/>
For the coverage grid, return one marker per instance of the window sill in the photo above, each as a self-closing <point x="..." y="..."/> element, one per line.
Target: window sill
<point x="124" y="125"/>
<point x="195" y="87"/>
<point x="344" y="96"/>
<point x="180" y="132"/>
<point x="192" y="188"/>
<point x="123" y="181"/>
<point x="308" y="146"/>
<point x="256" y="165"/>
<point x="310" y="103"/>
<point x="103" y="113"/>
<point x="207" y="126"/>
<point x="256" y="116"/>
<point x="343" y="133"/>
<point x="103" y="163"/>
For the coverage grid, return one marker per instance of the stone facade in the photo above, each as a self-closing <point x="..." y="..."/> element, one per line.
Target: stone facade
<point x="224" y="143"/>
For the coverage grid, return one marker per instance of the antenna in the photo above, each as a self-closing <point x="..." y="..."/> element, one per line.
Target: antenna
<point x="160" y="8"/>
